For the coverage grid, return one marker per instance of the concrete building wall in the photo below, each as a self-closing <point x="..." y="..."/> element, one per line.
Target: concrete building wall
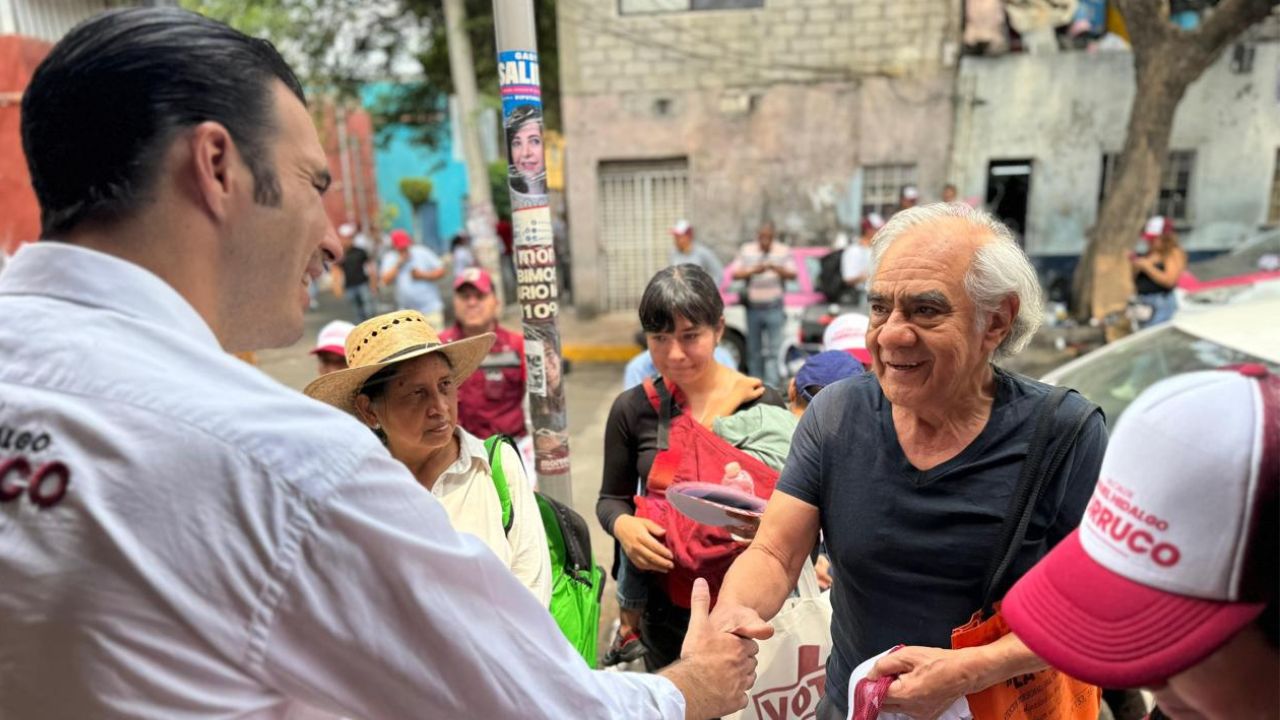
<point x="1065" y="111"/>
<point x="774" y="109"/>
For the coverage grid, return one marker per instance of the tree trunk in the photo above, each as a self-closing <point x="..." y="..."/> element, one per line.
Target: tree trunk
<point x="1135" y="185"/>
<point x="1166" y="61"/>
<point x="481" y="218"/>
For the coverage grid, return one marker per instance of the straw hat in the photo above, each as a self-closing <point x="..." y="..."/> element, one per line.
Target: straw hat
<point x="385" y="340"/>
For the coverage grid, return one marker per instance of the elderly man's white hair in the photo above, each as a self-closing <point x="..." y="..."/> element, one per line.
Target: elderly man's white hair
<point x="999" y="269"/>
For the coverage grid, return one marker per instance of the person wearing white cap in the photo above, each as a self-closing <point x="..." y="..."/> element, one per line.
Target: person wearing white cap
<point x="330" y="350"/>
<point x="848" y="332"/>
<point x="1172" y="581"/>
<point x="1156" y="272"/>
<point x="354" y="276"/>
<point x="908" y="198"/>
<point x="855" y="263"/>
<point x="183" y="536"/>
<point x="687" y="250"/>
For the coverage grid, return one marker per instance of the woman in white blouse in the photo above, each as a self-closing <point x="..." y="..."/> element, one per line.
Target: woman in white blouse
<point x="402" y="382"/>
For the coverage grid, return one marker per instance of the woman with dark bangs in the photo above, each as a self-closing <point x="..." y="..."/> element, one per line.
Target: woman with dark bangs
<point x="682" y="315"/>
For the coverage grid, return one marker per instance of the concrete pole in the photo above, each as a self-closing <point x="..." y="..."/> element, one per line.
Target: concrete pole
<point x="344" y="158"/>
<point x="537" y="288"/>
<point x="481" y="217"/>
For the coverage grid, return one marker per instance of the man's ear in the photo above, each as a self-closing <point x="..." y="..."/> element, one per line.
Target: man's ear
<point x="212" y="158"/>
<point x="1000" y="323"/>
<point x="792" y="395"/>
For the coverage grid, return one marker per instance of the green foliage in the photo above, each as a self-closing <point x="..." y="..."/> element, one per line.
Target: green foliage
<point x="417" y="190"/>
<point x="429" y="98"/>
<point x="390" y="213"/>
<point x="499" y="189"/>
<point x="335" y="46"/>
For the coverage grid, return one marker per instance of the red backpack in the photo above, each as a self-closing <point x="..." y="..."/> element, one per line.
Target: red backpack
<point x="689" y="452"/>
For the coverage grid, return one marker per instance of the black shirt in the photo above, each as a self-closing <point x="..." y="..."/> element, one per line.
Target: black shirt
<point x="909" y="548"/>
<point x="630" y="443"/>
<point x="354" y="262"/>
<point x="1144" y="285"/>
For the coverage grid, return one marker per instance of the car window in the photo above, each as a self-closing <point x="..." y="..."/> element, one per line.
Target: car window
<point x="1256" y="255"/>
<point x="1115" y="377"/>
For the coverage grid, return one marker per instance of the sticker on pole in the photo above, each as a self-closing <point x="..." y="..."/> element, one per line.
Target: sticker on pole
<point x="518" y="81"/>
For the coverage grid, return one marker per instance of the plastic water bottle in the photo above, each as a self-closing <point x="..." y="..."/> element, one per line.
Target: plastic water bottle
<point x="738" y="479"/>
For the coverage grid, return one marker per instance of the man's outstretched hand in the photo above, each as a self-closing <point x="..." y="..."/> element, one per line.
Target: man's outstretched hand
<point x="716" y="667"/>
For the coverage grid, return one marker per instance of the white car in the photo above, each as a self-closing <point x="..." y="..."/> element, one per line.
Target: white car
<point x="1237" y="334"/>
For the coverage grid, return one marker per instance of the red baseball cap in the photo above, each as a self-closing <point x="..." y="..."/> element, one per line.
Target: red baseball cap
<point x="1178" y="548"/>
<point x="476" y="277"/>
<point x="400" y="239"/>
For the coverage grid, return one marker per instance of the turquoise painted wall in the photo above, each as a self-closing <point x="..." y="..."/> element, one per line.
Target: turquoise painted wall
<point x="403" y="158"/>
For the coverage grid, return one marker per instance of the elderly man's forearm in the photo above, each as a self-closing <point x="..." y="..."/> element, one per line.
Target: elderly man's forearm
<point x="759" y="580"/>
<point x="1005" y="658"/>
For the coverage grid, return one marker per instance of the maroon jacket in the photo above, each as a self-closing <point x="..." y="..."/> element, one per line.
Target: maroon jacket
<point x="491" y="401"/>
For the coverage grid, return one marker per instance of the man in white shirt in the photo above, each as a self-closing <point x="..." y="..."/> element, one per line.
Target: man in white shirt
<point x="855" y="263"/>
<point x="180" y="535"/>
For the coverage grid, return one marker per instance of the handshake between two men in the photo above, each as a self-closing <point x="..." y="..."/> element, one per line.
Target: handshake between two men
<point x="717" y="664"/>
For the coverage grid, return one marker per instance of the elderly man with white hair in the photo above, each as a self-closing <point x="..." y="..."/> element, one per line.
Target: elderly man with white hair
<point x="908" y="471"/>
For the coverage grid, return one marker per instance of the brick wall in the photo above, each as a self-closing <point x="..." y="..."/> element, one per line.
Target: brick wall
<point x="775" y="109"/>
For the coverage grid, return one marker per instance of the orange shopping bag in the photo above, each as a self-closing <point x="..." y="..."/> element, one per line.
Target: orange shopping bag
<point x="1048" y="694"/>
<point x="1045" y="695"/>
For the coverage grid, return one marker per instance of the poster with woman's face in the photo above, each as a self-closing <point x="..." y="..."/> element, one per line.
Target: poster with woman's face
<point x="527" y="166"/>
<point x="518" y="80"/>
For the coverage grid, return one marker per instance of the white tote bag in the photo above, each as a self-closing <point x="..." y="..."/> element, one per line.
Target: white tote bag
<point x="792" y="673"/>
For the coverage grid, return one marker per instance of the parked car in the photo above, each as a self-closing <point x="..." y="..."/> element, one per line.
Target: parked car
<point x="1236" y="334"/>
<point x="1250" y="271"/>
<point x="801" y="292"/>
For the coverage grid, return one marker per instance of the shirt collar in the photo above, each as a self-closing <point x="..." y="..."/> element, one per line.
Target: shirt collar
<point x="471" y="451"/>
<point x="88" y="277"/>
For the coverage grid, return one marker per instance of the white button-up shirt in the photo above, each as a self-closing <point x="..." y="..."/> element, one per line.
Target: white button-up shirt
<point x="466" y="490"/>
<point x="183" y="537"/>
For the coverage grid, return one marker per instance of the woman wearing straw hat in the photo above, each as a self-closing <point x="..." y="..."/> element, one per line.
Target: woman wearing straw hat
<point x="403" y="382"/>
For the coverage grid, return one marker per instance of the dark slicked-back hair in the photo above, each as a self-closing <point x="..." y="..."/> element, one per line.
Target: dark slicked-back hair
<point x="107" y="102"/>
<point x="685" y="291"/>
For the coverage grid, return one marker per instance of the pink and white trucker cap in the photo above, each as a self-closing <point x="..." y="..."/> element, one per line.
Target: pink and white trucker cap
<point x="1178" y="549"/>
<point x="333" y="338"/>
<point x="848" y="332"/>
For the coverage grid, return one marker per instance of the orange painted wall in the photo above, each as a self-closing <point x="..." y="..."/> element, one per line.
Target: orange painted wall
<point x="19" y="212"/>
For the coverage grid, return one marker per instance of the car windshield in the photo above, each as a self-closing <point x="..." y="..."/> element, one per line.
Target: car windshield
<point x="1260" y="253"/>
<point x="1116" y="376"/>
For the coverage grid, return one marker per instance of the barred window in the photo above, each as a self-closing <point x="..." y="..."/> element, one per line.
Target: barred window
<point x="1174" y="200"/>
<point x="882" y="187"/>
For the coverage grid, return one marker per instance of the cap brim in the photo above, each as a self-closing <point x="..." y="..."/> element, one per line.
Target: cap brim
<point x="1105" y="629"/>
<point x="335" y="349"/>
<point x="862" y="355"/>
<point x="340" y="388"/>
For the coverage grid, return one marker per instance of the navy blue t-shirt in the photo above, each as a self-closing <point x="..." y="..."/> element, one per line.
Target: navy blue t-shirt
<point x="910" y="548"/>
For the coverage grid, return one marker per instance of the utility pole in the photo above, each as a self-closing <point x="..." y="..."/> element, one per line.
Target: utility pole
<point x="481" y="218"/>
<point x="344" y="158"/>
<point x="537" y="288"/>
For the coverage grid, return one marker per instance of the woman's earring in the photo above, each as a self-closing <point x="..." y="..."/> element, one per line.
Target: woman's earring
<point x="376" y="426"/>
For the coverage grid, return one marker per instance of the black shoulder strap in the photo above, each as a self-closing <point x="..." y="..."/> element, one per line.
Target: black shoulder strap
<point x="1037" y="470"/>
<point x="664" y="414"/>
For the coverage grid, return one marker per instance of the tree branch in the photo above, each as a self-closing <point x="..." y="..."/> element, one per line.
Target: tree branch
<point x="1147" y="22"/>
<point x="1228" y="19"/>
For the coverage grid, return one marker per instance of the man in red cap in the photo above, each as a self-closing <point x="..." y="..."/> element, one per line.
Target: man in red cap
<point x="412" y="270"/>
<point x="1171" y="581"/>
<point x="491" y="401"/>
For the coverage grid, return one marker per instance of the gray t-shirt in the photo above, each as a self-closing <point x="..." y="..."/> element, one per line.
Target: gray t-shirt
<point x="909" y="548"/>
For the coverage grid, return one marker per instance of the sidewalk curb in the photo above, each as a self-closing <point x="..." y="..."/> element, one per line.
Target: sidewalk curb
<point x="603" y="354"/>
